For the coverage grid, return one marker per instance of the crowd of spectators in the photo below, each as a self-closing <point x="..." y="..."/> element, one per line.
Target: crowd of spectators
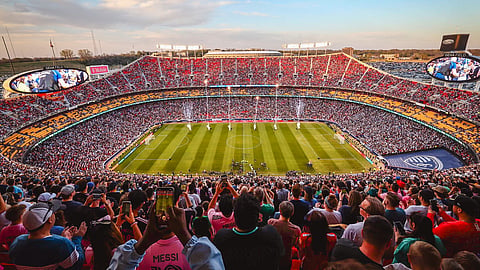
<point x="86" y="146"/>
<point x="158" y="73"/>
<point x="379" y="220"/>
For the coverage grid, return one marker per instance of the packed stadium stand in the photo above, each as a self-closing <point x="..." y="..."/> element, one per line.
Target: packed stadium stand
<point x="27" y="120"/>
<point x="59" y="144"/>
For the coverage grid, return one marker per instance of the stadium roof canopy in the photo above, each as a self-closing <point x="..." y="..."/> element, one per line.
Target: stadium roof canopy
<point x="219" y="54"/>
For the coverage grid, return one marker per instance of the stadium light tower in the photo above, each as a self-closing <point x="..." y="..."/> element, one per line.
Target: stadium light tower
<point x="229" y="106"/>
<point x="256" y="112"/>
<point x="276" y="107"/>
<point x="206" y="94"/>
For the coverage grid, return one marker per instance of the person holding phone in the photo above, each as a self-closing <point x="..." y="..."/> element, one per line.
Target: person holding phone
<point x="223" y="218"/>
<point x="131" y="215"/>
<point x="422" y="231"/>
<point x="200" y="253"/>
<point x="126" y="216"/>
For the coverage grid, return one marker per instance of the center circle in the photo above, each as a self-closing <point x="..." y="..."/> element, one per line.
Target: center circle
<point x="231" y="142"/>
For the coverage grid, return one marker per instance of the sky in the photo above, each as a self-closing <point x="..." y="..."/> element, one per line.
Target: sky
<point x="121" y="26"/>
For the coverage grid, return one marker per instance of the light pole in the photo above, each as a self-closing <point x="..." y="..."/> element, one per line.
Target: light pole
<point x="276" y="108"/>
<point x="256" y="112"/>
<point x="206" y="94"/>
<point x="229" y="113"/>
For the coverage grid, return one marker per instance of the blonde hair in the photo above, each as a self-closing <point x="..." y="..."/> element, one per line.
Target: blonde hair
<point x="424" y="255"/>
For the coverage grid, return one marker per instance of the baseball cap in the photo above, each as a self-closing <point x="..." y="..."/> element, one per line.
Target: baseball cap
<point x="39" y="213"/>
<point x="67" y="190"/>
<point x="468" y="205"/>
<point x="441" y="189"/>
<point x="45" y="197"/>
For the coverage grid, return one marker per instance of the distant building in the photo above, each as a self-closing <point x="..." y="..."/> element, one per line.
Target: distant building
<point x="389" y="56"/>
<point x="348" y="50"/>
<point x="228" y="54"/>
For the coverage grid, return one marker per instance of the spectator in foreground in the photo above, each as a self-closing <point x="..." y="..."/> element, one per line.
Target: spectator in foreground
<point x="8" y="234"/>
<point x="462" y="234"/>
<point x="200" y="252"/>
<point x="316" y="243"/>
<point x="467" y="260"/>
<point x="351" y="211"/>
<point x="330" y="212"/>
<point x="266" y="209"/>
<point x="300" y="206"/>
<point x="369" y="207"/>
<point x="247" y="246"/>
<point x="377" y="234"/>
<point x="422" y="231"/>
<point x="225" y="217"/>
<point x="424" y="256"/>
<point x="288" y="231"/>
<point x="40" y="249"/>
<point x="424" y="197"/>
<point x="392" y="210"/>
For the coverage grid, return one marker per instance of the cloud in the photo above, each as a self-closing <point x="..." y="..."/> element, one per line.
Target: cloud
<point x="109" y="13"/>
<point x="253" y="13"/>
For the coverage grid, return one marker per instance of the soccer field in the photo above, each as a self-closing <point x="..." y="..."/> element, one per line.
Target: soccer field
<point x="243" y="149"/>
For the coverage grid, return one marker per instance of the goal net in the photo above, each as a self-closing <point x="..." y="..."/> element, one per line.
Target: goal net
<point x="339" y="138"/>
<point x="149" y="138"/>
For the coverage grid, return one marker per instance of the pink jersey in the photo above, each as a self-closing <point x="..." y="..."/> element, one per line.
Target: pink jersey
<point x="9" y="233"/>
<point x="219" y="221"/>
<point x="165" y="254"/>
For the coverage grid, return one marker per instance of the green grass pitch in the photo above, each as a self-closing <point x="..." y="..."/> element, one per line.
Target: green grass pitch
<point x="176" y="149"/>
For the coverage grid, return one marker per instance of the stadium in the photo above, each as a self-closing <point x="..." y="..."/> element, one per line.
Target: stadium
<point x="260" y="120"/>
<point x="379" y="113"/>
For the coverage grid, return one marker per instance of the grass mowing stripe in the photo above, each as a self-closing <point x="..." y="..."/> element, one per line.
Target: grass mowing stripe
<point x="223" y="153"/>
<point x="238" y="143"/>
<point x="248" y="145"/>
<point x="177" y="155"/>
<point x="176" y="137"/>
<point x="201" y="151"/>
<point x="164" y="145"/>
<point x="278" y="150"/>
<point x="303" y="145"/>
<point x="344" y="150"/>
<point x="196" y="136"/>
<point x="214" y="150"/>
<point x="145" y="166"/>
<point x="268" y="152"/>
<point x="294" y="155"/>
<point x="209" y="157"/>
<point x="313" y="137"/>
<point x="257" y="148"/>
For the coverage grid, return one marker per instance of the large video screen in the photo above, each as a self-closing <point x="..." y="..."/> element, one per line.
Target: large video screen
<point x="454" y="69"/>
<point x="47" y="80"/>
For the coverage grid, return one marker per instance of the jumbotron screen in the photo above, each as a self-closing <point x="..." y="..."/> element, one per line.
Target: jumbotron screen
<point x="454" y="69"/>
<point x="46" y="80"/>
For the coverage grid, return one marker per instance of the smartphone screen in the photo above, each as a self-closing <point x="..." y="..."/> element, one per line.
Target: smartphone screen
<point x="126" y="208"/>
<point x="164" y="200"/>
<point x="434" y="205"/>
<point x="399" y="227"/>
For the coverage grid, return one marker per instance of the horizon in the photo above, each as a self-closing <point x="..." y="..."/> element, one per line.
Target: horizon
<point x="121" y="26"/>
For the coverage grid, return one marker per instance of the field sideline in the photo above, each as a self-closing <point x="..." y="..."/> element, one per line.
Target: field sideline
<point x="176" y="149"/>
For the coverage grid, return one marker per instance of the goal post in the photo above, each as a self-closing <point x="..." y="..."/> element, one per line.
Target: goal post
<point x="339" y="137"/>
<point x="149" y="138"/>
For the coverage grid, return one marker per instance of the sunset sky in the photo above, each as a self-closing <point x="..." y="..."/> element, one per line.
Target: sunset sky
<point x="125" y="25"/>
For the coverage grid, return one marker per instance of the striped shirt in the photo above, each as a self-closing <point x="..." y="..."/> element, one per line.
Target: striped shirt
<point x="51" y="252"/>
